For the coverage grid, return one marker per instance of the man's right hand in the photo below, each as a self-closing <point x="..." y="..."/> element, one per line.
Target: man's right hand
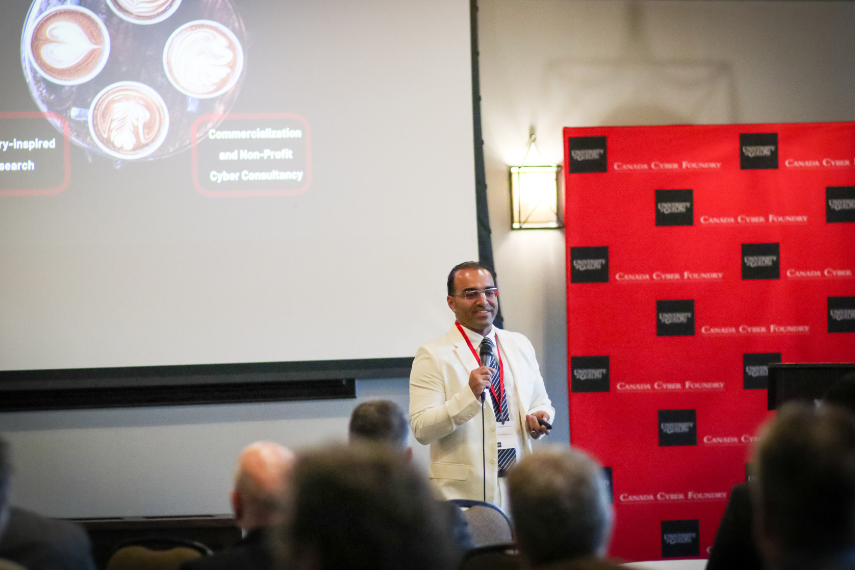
<point x="479" y="379"/>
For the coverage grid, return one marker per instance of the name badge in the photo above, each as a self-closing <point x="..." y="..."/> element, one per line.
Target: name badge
<point x="507" y="436"/>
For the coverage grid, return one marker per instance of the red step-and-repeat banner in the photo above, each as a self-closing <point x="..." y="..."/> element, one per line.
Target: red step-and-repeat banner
<point x="696" y="256"/>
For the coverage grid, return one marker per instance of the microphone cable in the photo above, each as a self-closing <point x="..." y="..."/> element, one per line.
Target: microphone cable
<point x="483" y="448"/>
<point x="485" y="350"/>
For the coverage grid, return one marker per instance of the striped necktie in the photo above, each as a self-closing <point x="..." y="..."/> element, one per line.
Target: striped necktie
<point x="507" y="457"/>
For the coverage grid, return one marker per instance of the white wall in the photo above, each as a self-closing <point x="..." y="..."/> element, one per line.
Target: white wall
<point x="546" y="63"/>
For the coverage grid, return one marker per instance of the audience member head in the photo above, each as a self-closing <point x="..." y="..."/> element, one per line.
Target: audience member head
<point x="363" y="507"/>
<point x="804" y="491"/>
<point x="261" y="479"/>
<point x="379" y="421"/>
<point x="560" y="506"/>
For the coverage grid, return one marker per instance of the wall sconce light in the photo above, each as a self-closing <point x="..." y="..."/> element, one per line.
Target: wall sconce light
<point x="536" y="201"/>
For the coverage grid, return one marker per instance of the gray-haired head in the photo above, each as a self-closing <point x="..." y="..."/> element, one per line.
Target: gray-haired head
<point x="379" y="421"/>
<point x="560" y="506"/>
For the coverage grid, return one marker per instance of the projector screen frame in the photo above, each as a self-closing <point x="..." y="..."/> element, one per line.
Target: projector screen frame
<point x="194" y="384"/>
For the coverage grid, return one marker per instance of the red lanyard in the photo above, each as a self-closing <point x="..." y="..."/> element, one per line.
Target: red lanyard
<point x="478" y="359"/>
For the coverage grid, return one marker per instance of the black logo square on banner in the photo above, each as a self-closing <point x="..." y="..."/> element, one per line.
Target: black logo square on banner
<point x="675" y="208"/>
<point x="681" y="539"/>
<point x="675" y="318"/>
<point x="749" y="472"/>
<point x="610" y="488"/>
<point x="839" y="204"/>
<point x="589" y="264"/>
<point x="755" y="369"/>
<point x="841" y="314"/>
<point x="761" y="261"/>
<point x="678" y="428"/>
<point x="758" y="151"/>
<point x="590" y="374"/>
<point x="587" y="154"/>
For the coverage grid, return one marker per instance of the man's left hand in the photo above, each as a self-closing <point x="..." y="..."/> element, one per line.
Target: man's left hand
<point x="535" y="430"/>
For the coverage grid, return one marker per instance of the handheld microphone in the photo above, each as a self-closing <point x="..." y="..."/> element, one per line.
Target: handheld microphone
<point x="484" y="351"/>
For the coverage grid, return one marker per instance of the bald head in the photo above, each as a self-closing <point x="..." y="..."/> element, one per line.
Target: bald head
<point x="261" y="479"/>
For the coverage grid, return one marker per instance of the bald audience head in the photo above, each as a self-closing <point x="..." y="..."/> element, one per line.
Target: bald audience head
<point x="560" y="506"/>
<point x="261" y="479"/>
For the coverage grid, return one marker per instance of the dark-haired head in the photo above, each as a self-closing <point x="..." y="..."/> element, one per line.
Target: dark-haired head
<point x="465" y="265"/>
<point x="805" y="485"/>
<point x="379" y="421"/>
<point x="473" y="296"/>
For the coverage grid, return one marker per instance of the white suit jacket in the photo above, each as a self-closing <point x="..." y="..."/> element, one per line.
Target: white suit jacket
<point x="445" y="414"/>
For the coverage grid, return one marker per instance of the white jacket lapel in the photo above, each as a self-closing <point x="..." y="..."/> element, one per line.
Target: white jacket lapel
<point x="514" y="358"/>
<point x="461" y="349"/>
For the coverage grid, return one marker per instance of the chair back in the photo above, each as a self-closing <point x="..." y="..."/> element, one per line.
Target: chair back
<point x="493" y="557"/>
<point x="155" y="553"/>
<point x="488" y="525"/>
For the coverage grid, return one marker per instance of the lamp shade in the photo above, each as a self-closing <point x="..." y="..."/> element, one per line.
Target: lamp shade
<point x="535" y="198"/>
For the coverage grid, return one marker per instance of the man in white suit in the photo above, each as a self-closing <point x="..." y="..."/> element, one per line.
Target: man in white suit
<point x="447" y="383"/>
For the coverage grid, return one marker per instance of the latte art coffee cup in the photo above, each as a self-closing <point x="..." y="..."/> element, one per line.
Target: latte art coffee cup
<point x="144" y="11"/>
<point x="128" y="120"/>
<point x="203" y="59"/>
<point x="68" y="45"/>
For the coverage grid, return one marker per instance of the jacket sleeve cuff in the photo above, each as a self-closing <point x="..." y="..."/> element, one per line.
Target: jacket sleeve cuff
<point x="463" y="406"/>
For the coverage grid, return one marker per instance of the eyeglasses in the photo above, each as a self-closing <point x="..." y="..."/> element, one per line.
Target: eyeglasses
<point x="475" y="294"/>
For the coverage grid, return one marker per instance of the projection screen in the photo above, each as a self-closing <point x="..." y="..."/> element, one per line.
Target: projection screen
<point x="228" y="181"/>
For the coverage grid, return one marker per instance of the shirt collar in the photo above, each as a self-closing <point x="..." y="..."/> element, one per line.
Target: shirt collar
<point x="476" y="338"/>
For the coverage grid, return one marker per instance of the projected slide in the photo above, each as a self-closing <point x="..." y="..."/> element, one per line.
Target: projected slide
<point x="144" y="80"/>
<point x="216" y="181"/>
